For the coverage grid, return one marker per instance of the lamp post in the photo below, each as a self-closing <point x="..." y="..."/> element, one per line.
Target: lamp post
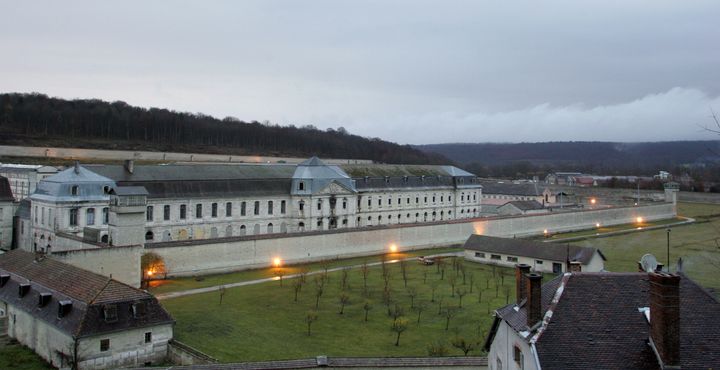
<point x="668" y="249"/>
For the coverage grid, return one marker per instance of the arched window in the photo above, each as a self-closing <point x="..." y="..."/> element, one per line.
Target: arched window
<point x="301" y="205"/>
<point x="104" y="238"/>
<point x="149" y="235"/>
<point x="243" y="230"/>
<point x="301" y="226"/>
<point x="270" y="228"/>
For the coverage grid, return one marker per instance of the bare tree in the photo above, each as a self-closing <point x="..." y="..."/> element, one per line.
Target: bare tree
<point x="461" y="293"/>
<point x="344" y="278"/>
<point x="450" y="312"/>
<point x="452" y="280"/>
<point x="319" y="288"/>
<point x="367" y="306"/>
<point x="222" y="292"/>
<point x="433" y="289"/>
<point x="399" y="326"/>
<point x="396" y="311"/>
<point x="297" y="284"/>
<point x="471" y="277"/>
<point x="437" y="349"/>
<point x="465" y="345"/>
<point x="310" y="318"/>
<point x="419" y="308"/>
<point x="403" y="271"/>
<point x="279" y="273"/>
<point x="344" y="300"/>
<point x="412" y="293"/>
<point x="365" y="269"/>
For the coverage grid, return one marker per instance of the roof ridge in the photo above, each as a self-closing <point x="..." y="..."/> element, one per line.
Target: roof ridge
<point x="551" y="308"/>
<point x="92" y="301"/>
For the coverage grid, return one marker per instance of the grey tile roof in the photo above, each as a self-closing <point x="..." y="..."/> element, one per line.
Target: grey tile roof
<point x="530" y="248"/>
<point x="195" y="172"/>
<point x="87" y="291"/>
<point x="213" y="188"/>
<point x="382" y="170"/>
<point x="494" y="187"/>
<point x="316" y="176"/>
<point x="130" y="190"/>
<point x="525" y="205"/>
<point x="596" y="323"/>
<point x="58" y="187"/>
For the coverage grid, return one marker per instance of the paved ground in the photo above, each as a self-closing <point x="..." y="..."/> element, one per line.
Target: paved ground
<point x="265" y="280"/>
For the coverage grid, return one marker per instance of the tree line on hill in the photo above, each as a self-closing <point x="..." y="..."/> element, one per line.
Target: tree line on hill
<point x="39" y="120"/>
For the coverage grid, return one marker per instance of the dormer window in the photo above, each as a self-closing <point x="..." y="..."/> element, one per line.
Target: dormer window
<point x="110" y="313"/>
<point x="74" y="190"/>
<point x="387" y="179"/>
<point x="64" y="308"/>
<point x="44" y="299"/>
<point x="4" y="278"/>
<point x="301" y="185"/>
<point x="23" y="289"/>
<point x="138" y="309"/>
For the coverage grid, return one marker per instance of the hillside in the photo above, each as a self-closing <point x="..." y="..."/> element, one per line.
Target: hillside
<point x="597" y="157"/>
<point x="39" y="120"/>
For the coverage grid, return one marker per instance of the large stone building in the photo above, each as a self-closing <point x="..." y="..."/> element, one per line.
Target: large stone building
<point x="214" y="201"/>
<point x="70" y="316"/>
<point x="7" y="214"/>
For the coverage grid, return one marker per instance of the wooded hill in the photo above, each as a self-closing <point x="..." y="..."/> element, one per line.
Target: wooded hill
<point x="39" y="120"/>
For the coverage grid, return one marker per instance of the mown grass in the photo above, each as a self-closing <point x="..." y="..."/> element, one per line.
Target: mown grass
<point x="16" y="356"/>
<point x="186" y="283"/>
<point x="698" y="244"/>
<point x="609" y="229"/>
<point x="263" y="322"/>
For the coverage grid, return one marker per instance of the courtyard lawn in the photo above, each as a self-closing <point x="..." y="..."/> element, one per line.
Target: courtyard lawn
<point x="698" y="245"/>
<point x="16" y="356"/>
<point x="608" y="229"/>
<point x="187" y="283"/>
<point x="263" y="322"/>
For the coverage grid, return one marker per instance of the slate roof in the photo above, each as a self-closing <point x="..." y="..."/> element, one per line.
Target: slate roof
<point x="494" y="187"/>
<point x="530" y="248"/>
<point x="89" y="293"/>
<point x="595" y="323"/>
<point x="382" y="170"/>
<point x="5" y="190"/>
<point x="316" y="176"/>
<point x="130" y="190"/>
<point x="58" y="186"/>
<point x="213" y="188"/>
<point x="395" y="182"/>
<point x="195" y="172"/>
<point x="525" y="205"/>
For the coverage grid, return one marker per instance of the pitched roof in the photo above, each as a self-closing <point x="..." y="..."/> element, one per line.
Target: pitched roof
<point x="88" y="291"/>
<point x="595" y="320"/>
<point x="382" y="170"/>
<point x="195" y="172"/>
<point x="504" y="188"/>
<point x="525" y="205"/>
<point x="530" y="248"/>
<point x="130" y="190"/>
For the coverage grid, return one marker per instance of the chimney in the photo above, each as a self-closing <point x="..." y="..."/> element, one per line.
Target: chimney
<point x="520" y="271"/>
<point x="130" y="166"/>
<point x="575" y="266"/>
<point x="533" y="287"/>
<point x="665" y="316"/>
<point x="77" y="167"/>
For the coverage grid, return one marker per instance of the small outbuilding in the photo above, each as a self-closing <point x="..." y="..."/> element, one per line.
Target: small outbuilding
<point x="521" y="207"/>
<point x="75" y="318"/>
<point x="542" y="257"/>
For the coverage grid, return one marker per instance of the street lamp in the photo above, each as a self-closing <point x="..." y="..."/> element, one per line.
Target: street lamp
<point x="668" y="249"/>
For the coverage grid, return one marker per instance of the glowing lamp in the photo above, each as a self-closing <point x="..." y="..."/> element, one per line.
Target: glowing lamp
<point x="639" y="220"/>
<point x="277" y="262"/>
<point x="545" y="231"/>
<point x="150" y="272"/>
<point x="593" y="201"/>
<point x="597" y="224"/>
<point x="393" y="248"/>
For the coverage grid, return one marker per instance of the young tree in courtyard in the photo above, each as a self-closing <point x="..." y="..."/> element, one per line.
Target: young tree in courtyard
<point x="507" y="294"/>
<point x="450" y="312"/>
<point x="399" y="326"/>
<point x="344" y="278"/>
<point x="419" y="308"/>
<point x="279" y="273"/>
<point x="344" y="300"/>
<point x="403" y="271"/>
<point x="452" y="280"/>
<point x="367" y="306"/>
<point x="465" y="345"/>
<point x="310" y="318"/>
<point x="471" y="277"/>
<point x="396" y="311"/>
<point x="440" y="305"/>
<point x="222" y="292"/>
<point x="412" y="293"/>
<point x="461" y="293"/>
<point x="297" y="286"/>
<point x="437" y="349"/>
<point x="365" y="269"/>
<point x="319" y="288"/>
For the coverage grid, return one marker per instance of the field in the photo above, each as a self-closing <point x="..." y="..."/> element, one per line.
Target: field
<point x="696" y="243"/>
<point x="263" y="321"/>
<point x="15" y="356"/>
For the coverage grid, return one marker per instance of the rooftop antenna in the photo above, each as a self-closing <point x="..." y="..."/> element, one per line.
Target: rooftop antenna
<point x="649" y="263"/>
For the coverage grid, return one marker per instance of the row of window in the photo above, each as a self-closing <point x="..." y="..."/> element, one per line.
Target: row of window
<point x="89" y="216"/>
<point x="417" y="199"/>
<point x="228" y="210"/>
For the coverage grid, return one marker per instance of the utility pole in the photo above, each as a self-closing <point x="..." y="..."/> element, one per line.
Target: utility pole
<point x="668" y="249"/>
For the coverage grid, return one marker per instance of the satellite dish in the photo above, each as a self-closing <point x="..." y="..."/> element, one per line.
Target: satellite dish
<point x="649" y="263"/>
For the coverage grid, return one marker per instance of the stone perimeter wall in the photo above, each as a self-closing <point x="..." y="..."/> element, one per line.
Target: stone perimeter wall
<point x="231" y="254"/>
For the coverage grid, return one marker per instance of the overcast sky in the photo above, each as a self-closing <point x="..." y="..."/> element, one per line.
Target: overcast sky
<point x="408" y="71"/>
